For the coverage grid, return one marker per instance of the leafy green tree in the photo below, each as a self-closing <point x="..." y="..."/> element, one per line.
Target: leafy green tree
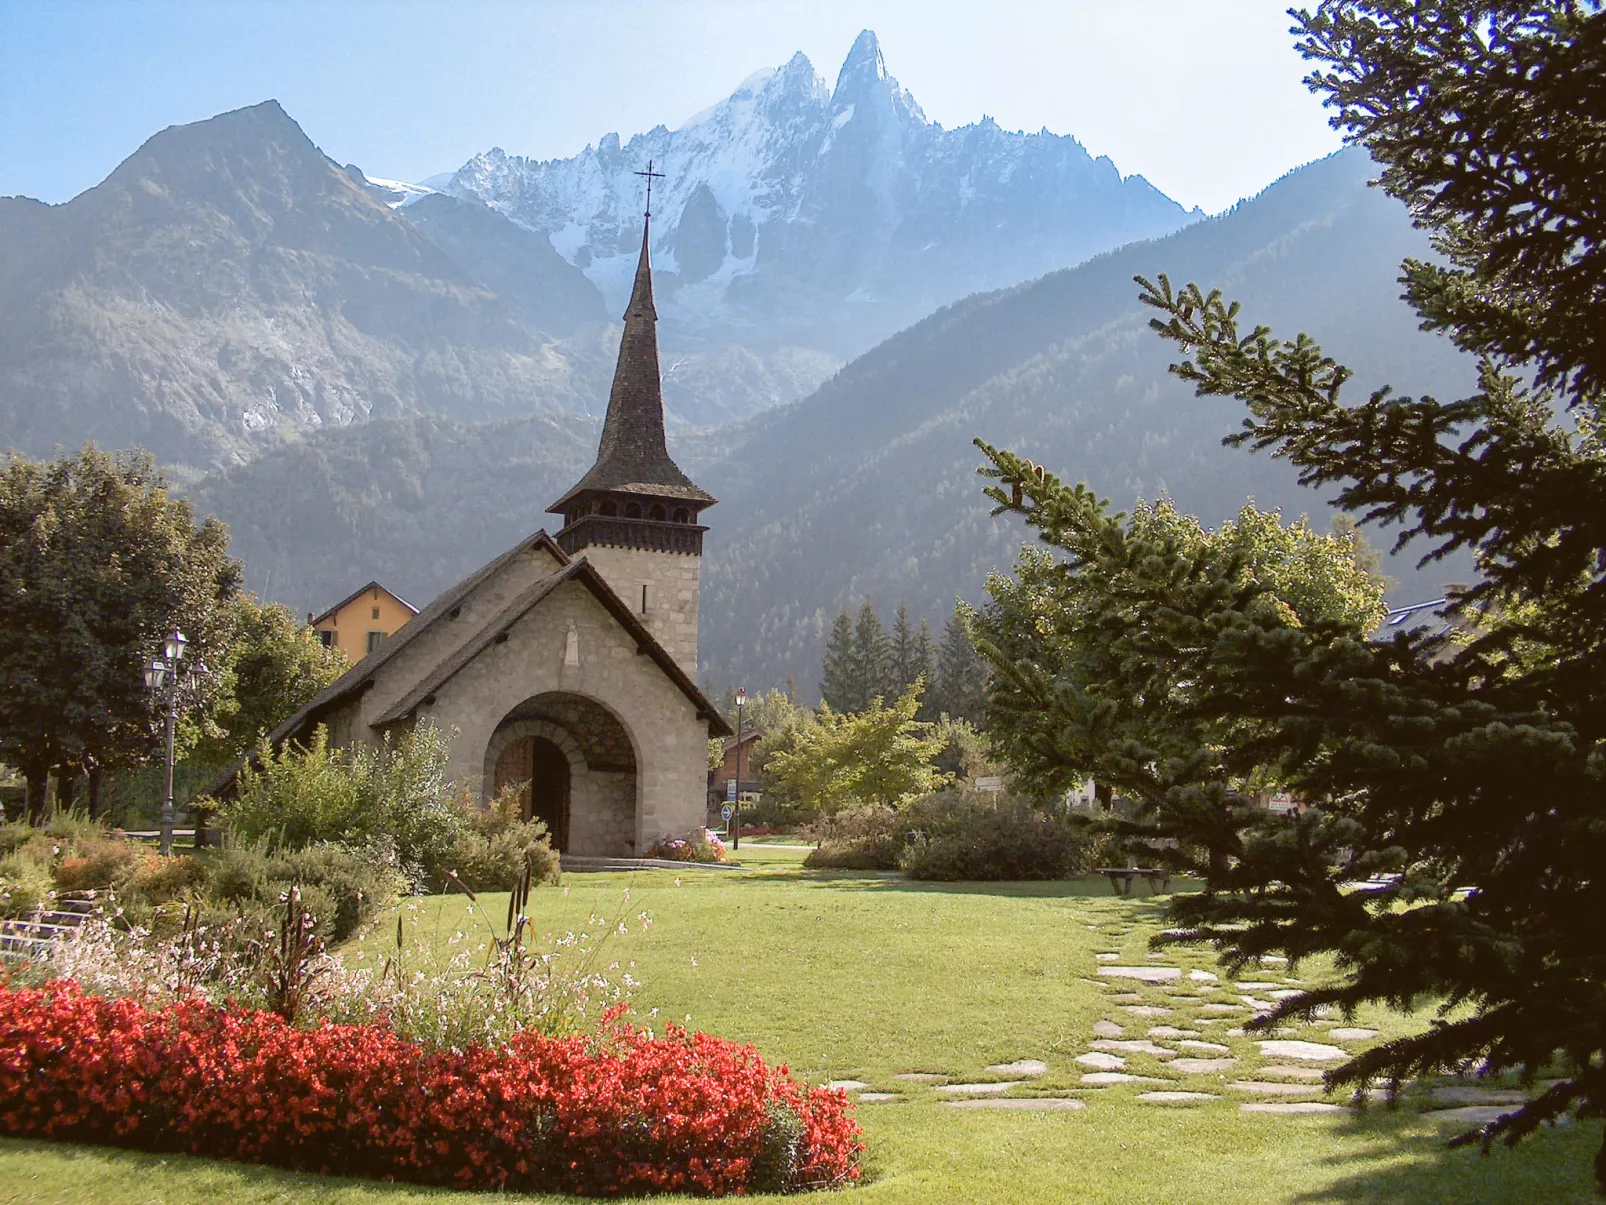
<point x="1468" y="782"/>
<point x="959" y="689"/>
<point x="883" y="755"/>
<point x="273" y="665"/>
<point x="97" y="564"/>
<point x="837" y="678"/>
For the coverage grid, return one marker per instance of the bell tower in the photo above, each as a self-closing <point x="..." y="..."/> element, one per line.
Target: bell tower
<point x="634" y="515"/>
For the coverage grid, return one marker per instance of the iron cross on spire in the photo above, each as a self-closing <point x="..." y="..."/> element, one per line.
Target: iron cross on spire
<point x="650" y="176"/>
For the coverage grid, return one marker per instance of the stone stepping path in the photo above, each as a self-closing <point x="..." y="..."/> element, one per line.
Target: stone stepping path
<point x="1254" y="985"/>
<point x="1267" y="1088"/>
<point x="1313" y="1052"/>
<point x="1171" y="1031"/>
<point x="1134" y="1046"/>
<point x="1107" y="1029"/>
<point x="1457" y="1095"/>
<point x="1108" y="957"/>
<point x="1101" y="1062"/>
<point x="1202" y="1066"/>
<point x="1207" y="1047"/>
<point x="1222" y="1008"/>
<point x="1306" y="1073"/>
<point x="1126" y="998"/>
<point x="1148" y="1010"/>
<point x="1102" y="1078"/>
<point x="1029" y="1104"/>
<point x="997" y="1089"/>
<point x="879" y="1097"/>
<point x="1023" y="1067"/>
<point x="1176" y="1098"/>
<point x="847" y="1085"/>
<point x="920" y="1077"/>
<point x="1291" y="1106"/>
<point x="1145" y="974"/>
<point x="1202" y="976"/>
<point x="1352" y="1035"/>
<point x="1477" y="1115"/>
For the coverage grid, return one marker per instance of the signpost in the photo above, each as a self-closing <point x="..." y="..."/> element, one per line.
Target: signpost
<point x="726" y="812"/>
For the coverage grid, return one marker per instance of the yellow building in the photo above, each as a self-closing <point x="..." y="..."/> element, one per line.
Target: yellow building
<point x="360" y="623"/>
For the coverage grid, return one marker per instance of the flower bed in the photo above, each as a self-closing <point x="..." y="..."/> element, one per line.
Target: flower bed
<point x="623" y="1112"/>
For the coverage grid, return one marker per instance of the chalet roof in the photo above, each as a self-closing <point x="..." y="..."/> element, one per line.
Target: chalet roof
<point x="358" y="593"/>
<point x="633" y="456"/>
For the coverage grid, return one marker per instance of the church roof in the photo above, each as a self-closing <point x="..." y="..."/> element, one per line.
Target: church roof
<point x="360" y="676"/>
<point x="633" y="457"/>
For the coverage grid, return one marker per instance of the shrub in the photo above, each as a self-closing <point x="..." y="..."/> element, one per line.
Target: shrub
<point x="623" y="1112"/>
<point x="160" y="879"/>
<point x="103" y="864"/>
<point x="399" y="791"/>
<point x="493" y="848"/>
<point x="699" y="845"/>
<point x="343" y="886"/>
<point x="964" y="836"/>
<point x="861" y="839"/>
<point x="25" y="885"/>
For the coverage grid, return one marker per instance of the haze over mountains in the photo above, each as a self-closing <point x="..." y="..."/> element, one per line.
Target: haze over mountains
<point x="372" y="379"/>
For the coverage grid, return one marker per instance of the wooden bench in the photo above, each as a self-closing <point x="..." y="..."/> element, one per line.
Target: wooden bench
<point x="1121" y="878"/>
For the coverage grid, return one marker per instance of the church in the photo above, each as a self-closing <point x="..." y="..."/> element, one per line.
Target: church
<point x="567" y="666"/>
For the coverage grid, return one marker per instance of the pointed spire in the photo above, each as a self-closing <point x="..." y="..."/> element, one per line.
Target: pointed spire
<point x="633" y="456"/>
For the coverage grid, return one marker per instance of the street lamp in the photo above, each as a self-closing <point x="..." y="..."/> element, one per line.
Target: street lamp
<point x="163" y="675"/>
<point x="736" y="831"/>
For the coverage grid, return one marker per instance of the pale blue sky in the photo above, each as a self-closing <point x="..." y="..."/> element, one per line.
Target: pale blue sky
<point x="1201" y="96"/>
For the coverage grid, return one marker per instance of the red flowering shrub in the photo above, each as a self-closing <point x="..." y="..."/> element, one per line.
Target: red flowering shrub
<point x="621" y="1113"/>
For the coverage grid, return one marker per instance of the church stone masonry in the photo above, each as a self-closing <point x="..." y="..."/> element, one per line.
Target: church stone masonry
<point x="565" y="667"/>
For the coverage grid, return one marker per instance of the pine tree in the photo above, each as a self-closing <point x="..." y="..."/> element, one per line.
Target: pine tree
<point x="906" y="664"/>
<point x="924" y="667"/>
<point x="959" y="690"/>
<point x="1466" y="775"/>
<point x="872" y="658"/>
<point x="837" y="680"/>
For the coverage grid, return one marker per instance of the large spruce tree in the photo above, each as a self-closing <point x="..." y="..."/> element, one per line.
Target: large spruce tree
<point x="1462" y="779"/>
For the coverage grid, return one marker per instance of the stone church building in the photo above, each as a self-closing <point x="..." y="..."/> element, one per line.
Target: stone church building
<point x="569" y="662"/>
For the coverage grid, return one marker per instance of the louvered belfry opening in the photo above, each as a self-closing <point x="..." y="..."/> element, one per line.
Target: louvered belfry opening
<point x="635" y="495"/>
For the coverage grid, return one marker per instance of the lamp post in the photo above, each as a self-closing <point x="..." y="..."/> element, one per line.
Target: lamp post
<point x="162" y="675"/>
<point x="736" y="830"/>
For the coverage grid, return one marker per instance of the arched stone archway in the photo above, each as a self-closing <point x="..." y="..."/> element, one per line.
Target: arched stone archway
<point x="579" y="760"/>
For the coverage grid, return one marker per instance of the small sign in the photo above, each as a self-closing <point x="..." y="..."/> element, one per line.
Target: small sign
<point x="730" y="790"/>
<point x="726" y="812"/>
<point x="990" y="782"/>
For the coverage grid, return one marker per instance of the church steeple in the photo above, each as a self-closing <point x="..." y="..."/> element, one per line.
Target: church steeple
<point x="635" y="496"/>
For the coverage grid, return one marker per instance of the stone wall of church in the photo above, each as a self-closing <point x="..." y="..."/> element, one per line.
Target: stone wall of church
<point x="670" y="742"/>
<point x="672" y="580"/>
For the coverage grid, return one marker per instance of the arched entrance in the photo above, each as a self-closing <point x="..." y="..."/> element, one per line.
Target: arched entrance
<point x="540" y="768"/>
<point x="577" y="762"/>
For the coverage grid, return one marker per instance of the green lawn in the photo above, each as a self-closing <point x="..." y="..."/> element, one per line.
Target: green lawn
<point x="846" y="976"/>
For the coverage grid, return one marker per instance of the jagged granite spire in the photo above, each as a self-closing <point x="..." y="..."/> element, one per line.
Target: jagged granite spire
<point x="633" y="456"/>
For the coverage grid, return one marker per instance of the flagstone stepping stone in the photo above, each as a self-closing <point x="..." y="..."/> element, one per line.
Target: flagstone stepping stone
<point x="1107" y="1029"/>
<point x="1255" y="985"/>
<point x="1478" y="1096"/>
<point x="1291" y="1106"/>
<point x="1208" y="1047"/>
<point x="1176" y="1098"/>
<point x="1134" y="1046"/>
<point x="1477" y="1115"/>
<point x="1274" y="958"/>
<point x="997" y="1089"/>
<point x="1311" y="1052"/>
<point x="1031" y="1104"/>
<point x="1146" y="974"/>
<point x="920" y="1077"/>
<point x="1171" y="1031"/>
<point x="1108" y="957"/>
<point x="1256" y="1002"/>
<point x="1222" y="1008"/>
<point x="1235" y="1033"/>
<point x="1148" y="1010"/>
<point x="1306" y="1073"/>
<point x="847" y="1085"/>
<point x="1267" y="1088"/>
<point x="1286" y="993"/>
<point x="1127" y="998"/>
<point x="1100" y="1061"/>
<point x="1202" y="1066"/>
<point x="1202" y="976"/>
<point x="1023" y="1067"/>
<point x="1352" y="1035"/>
<point x="879" y="1097"/>
<point x="1101" y="1078"/>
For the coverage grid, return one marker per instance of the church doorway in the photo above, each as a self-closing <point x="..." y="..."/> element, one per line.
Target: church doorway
<point x="573" y="763"/>
<point x="540" y="769"/>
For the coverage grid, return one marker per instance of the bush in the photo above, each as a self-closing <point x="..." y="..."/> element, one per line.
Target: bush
<point x="159" y="879"/>
<point x="493" y="848"/>
<point x="103" y="864"/>
<point x="964" y="836"/>
<point x="619" y="1113"/>
<point x="861" y="839"/>
<point x="699" y="845"/>
<point x="25" y="885"/>
<point x="344" y="887"/>
<point x="399" y="791"/>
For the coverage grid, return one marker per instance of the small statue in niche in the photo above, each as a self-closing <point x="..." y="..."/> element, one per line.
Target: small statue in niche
<point x="571" y="648"/>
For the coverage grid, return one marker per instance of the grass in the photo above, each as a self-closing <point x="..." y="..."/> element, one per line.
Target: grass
<point x="853" y="976"/>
